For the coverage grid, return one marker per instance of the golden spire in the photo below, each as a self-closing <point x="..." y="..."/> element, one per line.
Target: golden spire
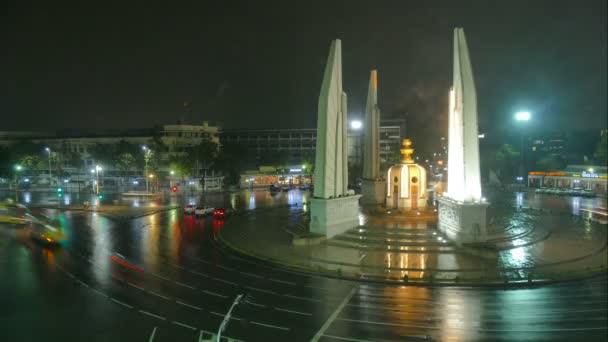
<point x="407" y="152"/>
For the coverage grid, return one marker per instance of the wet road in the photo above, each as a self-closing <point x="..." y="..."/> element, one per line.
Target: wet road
<point x="163" y="277"/>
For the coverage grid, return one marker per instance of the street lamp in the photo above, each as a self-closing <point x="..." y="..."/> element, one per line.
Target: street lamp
<point x="151" y="176"/>
<point x="97" y="170"/>
<point x="48" y="150"/>
<point x="146" y="156"/>
<point x="522" y="116"/>
<point x="17" y="169"/>
<point x="356" y="124"/>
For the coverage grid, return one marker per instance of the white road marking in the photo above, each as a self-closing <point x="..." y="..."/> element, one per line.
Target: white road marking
<point x="347" y="338"/>
<point x="256" y="289"/>
<point x="100" y="293"/>
<point x="335" y="314"/>
<point x="362" y="256"/>
<point x="223" y="315"/>
<point x="152" y="335"/>
<point x="292" y="311"/>
<point x="185" y="285"/>
<point x="303" y="298"/>
<point x="121" y="303"/>
<point x="200" y="336"/>
<point x="183" y="325"/>
<point x="152" y="315"/>
<point x="189" y="305"/>
<point x="256" y="304"/>
<point x="252" y="275"/>
<point x="225" y="281"/>
<point x="82" y="282"/>
<point x="224" y="267"/>
<point x="177" y="266"/>
<point x="199" y="273"/>
<point x="135" y="286"/>
<point x="269" y="325"/>
<point x="161" y="277"/>
<point x="158" y="295"/>
<point x="281" y="281"/>
<point x="214" y="294"/>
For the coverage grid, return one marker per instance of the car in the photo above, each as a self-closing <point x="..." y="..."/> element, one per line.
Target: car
<point x="46" y="234"/>
<point x="202" y="211"/>
<point x="222" y="212"/>
<point x="189" y="209"/>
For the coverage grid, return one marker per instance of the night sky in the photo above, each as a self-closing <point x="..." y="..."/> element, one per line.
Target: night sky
<point x="245" y="65"/>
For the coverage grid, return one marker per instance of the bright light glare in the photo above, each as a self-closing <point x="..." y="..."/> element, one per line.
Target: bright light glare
<point x="522" y="116"/>
<point x="356" y="124"/>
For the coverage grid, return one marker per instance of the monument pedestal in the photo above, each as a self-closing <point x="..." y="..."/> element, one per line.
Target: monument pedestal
<point x="373" y="191"/>
<point x="334" y="216"/>
<point x="461" y="221"/>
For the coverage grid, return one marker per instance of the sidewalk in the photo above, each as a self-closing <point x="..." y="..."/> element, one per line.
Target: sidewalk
<point x="545" y="248"/>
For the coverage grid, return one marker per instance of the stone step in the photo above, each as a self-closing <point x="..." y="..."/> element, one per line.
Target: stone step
<point x="396" y="242"/>
<point x="394" y="248"/>
<point x="390" y="235"/>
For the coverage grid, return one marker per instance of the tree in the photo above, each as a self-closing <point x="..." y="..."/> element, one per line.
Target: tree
<point x="551" y="162"/>
<point x="204" y="155"/>
<point x="32" y="162"/>
<point x="601" y="151"/>
<point x="504" y="160"/>
<point x="102" y="154"/>
<point x="180" y="165"/>
<point x="124" y="162"/>
<point x="231" y="162"/>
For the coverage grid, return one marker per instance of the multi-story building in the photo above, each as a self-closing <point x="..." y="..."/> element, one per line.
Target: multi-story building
<point x="299" y="144"/>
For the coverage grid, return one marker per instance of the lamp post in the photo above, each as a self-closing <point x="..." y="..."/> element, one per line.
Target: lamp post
<point x="171" y="178"/>
<point x="97" y="170"/>
<point x="146" y="155"/>
<point x="48" y="150"/>
<point x="151" y="176"/>
<point x="522" y="117"/>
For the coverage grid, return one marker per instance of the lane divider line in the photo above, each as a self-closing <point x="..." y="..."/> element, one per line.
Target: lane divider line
<point x="135" y="286"/>
<point x="225" y="281"/>
<point x="185" y="285"/>
<point x="335" y="314"/>
<point x="183" y="325"/>
<point x="158" y="295"/>
<point x="269" y="325"/>
<point x="302" y="298"/>
<point x="121" y="303"/>
<point x="152" y="315"/>
<point x="346" y="338"/>
<point x="215" y="294"/>
<point x="161" y="277"/>
<point x="252" y="275"/>
<point x="281" y="281"/>
<point x="224" y="315"/>
<point x="261" y="290"/>
<point x="152" y="335"/>
<point x="293" y="311"/>
<point x="189" y="305"/>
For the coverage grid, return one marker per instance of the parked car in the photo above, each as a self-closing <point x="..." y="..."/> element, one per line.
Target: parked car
<point x="189" y="210"/>
<point x="222" y="212"/>
<point x="202" y="211"/>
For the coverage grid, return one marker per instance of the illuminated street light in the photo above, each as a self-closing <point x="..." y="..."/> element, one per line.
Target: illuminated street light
<point x="522" y="116"/>
<point x="172" y="172"/>
<point x="356" y="124"/>
<point x="18" y="167"/>
<point x="48" y="150"/>
<point x="151" y="176"/>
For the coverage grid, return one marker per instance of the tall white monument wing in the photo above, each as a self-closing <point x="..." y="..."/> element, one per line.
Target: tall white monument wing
<point x="330" y="161"/>
<point x="464" y="183"/>
<point x="371" y="153"/>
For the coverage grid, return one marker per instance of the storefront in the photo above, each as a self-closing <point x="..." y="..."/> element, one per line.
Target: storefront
<point x="593" y="178"/>
<point x="293" y="177"/>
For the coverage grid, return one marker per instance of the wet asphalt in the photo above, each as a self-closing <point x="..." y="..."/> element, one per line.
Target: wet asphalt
<point x="165" y="277"/>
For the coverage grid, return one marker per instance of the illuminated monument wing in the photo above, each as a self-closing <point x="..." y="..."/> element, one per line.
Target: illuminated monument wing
<point x="333" y="209"/>
<point x="373" y="187"/>
<point x="462" y="213"/>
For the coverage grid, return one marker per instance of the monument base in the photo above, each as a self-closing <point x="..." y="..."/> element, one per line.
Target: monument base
<point x="373" y="191"/>
<point x="462" y="222"/>
<point x="334" y="216"/>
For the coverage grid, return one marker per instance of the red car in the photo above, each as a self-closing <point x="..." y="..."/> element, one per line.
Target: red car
<point x="222" y="212"/>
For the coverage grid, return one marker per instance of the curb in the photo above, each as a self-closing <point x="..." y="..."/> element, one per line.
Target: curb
<point x="337" y="274"/>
